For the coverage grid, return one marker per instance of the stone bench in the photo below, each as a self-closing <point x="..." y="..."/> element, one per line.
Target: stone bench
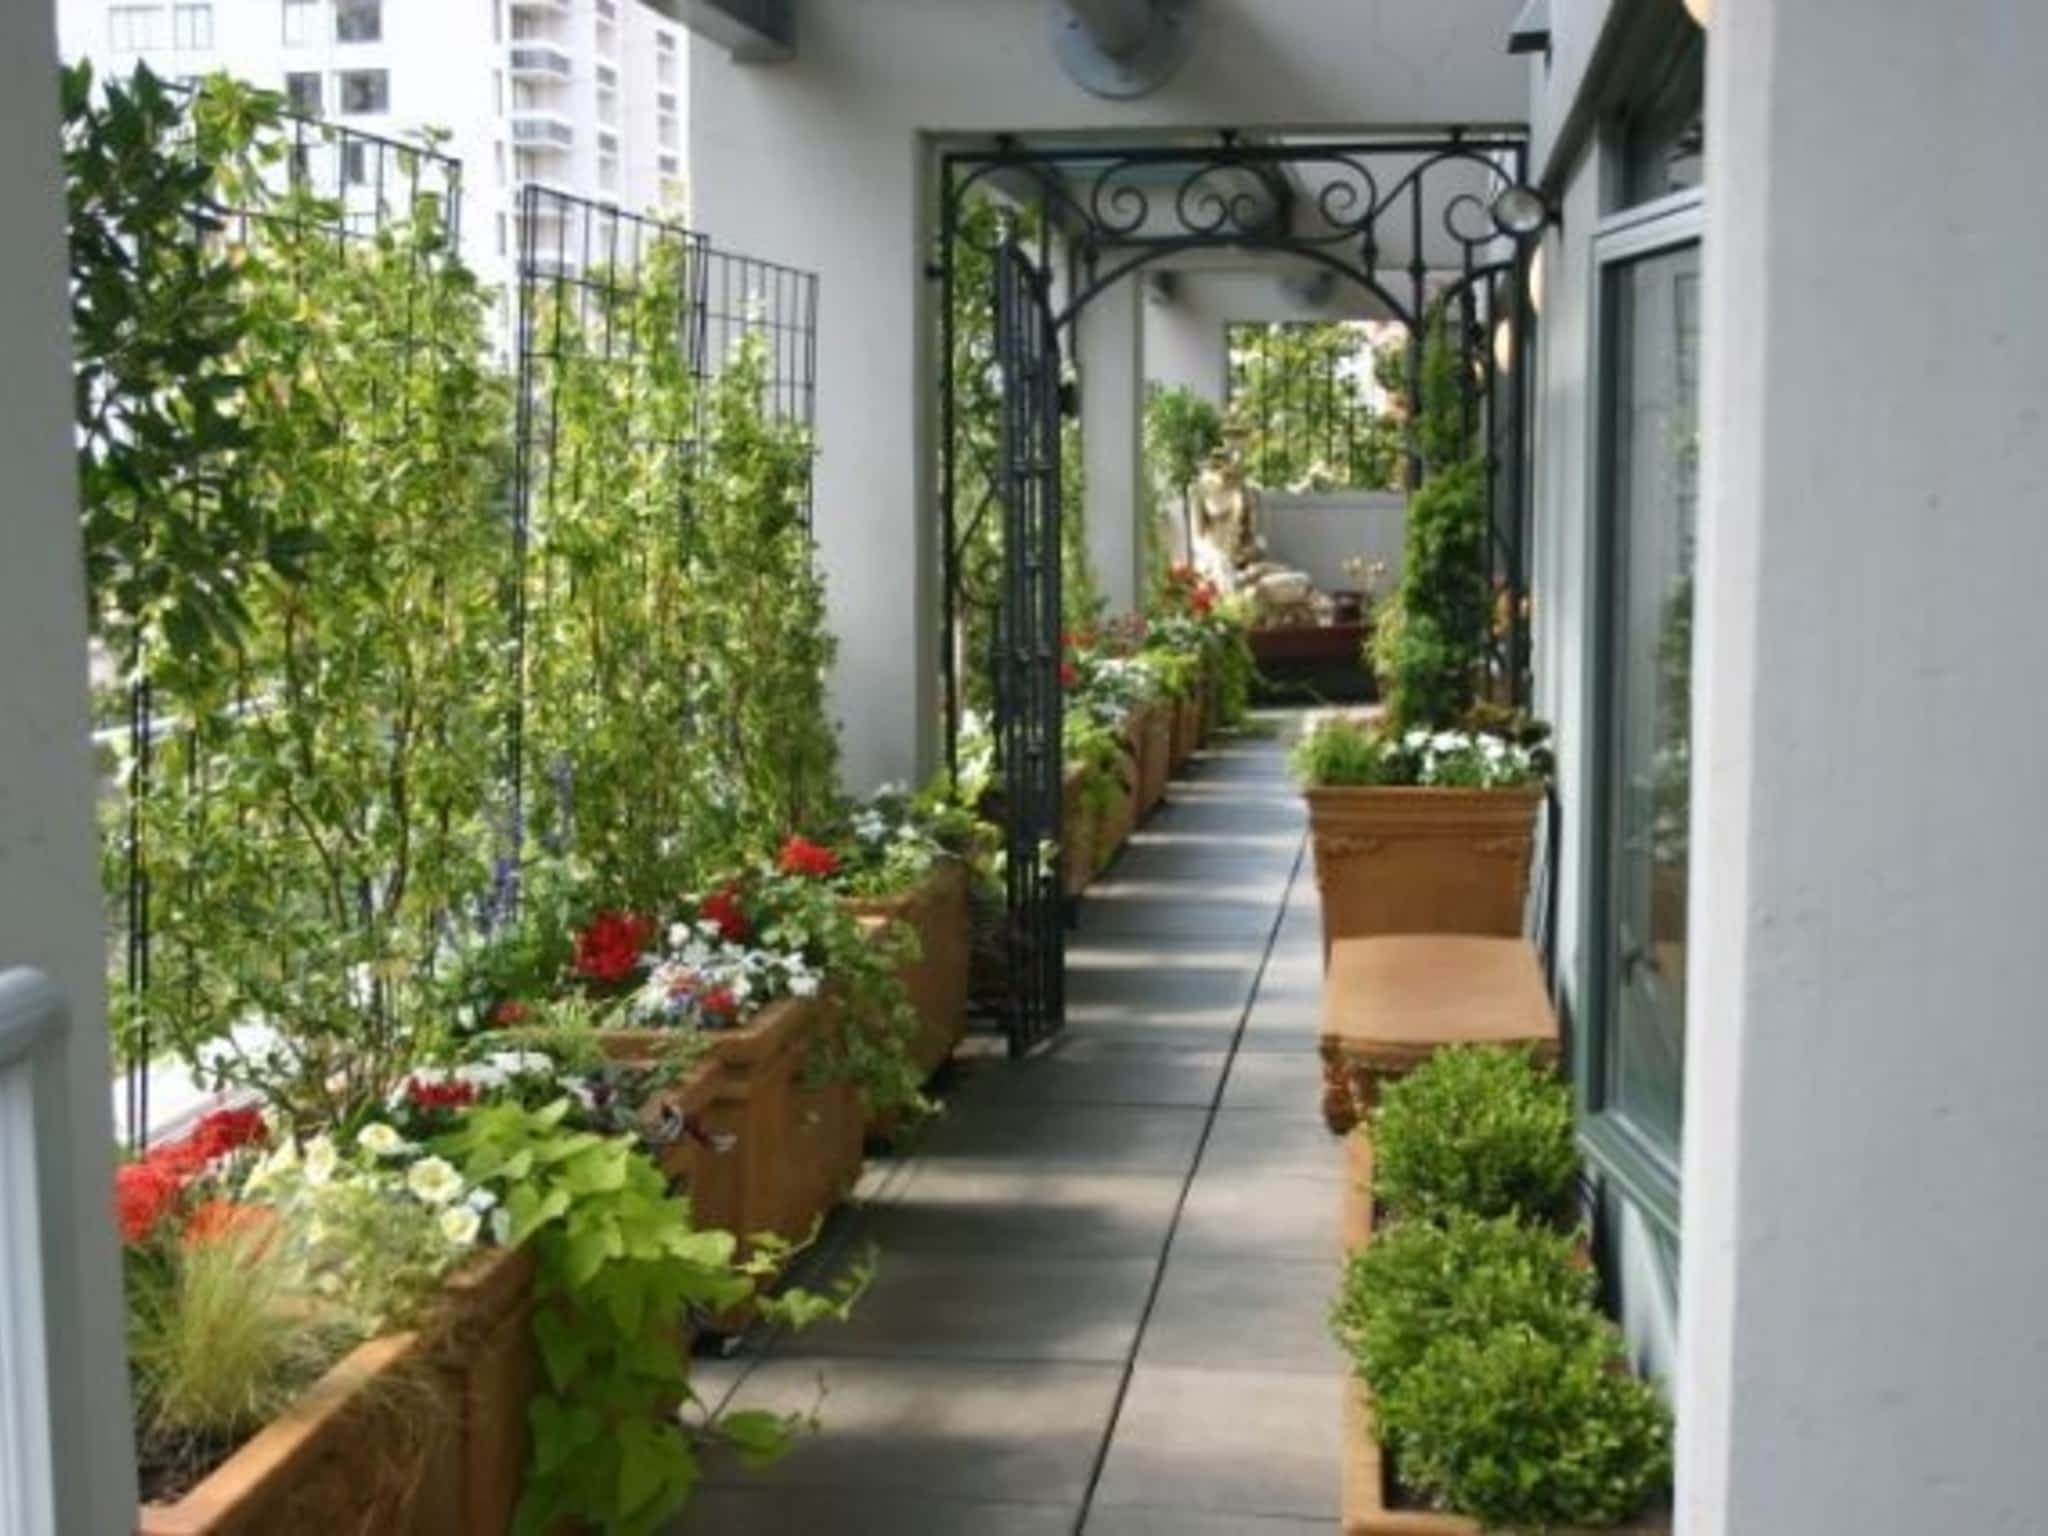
<point x="1391" y="1000"/>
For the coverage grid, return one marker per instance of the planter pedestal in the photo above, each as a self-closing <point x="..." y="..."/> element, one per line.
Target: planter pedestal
<point x="1411" y="860"/>
<point x="1391" y="1002"/>
<point x="935" y="910"/>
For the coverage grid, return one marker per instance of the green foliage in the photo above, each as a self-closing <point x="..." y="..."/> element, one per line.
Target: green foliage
<point x="1496" y="750"/>
<point x="324" y="803"/>
<point x="1181" y="430"/>
<point x="1297" y="397"/>
<point x="175" y="533"/>
<point x="1480" y="1129"/>
<point x="1430" y="642"/>
<point x="1339" y="750"/>
<point x="620" y="1268"/>
<point x="219" y="1340"/>
<point x="1417" y="1281"/>
<point x="1527" y="1429"/>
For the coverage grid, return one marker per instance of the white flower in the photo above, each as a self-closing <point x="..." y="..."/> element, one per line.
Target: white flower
<point x="275" y="1165"/>
<point x="803" y="984"/>
<point x="480" y="1199"/>
<point x="434" y="1181"/>
<point x="679" y="934"/>
<point x="380" y="1140"/>
<point x="460" y="1225"/>
<point x="321" y="1160"/>
<point x="742" y="987"/>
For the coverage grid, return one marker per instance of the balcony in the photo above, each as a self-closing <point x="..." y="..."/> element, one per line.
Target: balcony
<point x="538" y="61"/>
<point x="542" y="130"/>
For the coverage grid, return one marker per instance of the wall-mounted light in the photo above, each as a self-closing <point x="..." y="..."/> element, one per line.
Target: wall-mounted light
<point x="1520" y="212"/>
<point x="1699" y="11"/>
<point x="1503" y="346"/>
<point x="1536" y="281"/>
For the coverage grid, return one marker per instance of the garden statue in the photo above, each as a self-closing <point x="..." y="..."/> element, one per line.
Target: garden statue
<point x="1230" y="551"/>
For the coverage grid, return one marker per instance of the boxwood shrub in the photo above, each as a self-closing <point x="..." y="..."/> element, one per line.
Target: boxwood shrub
<point x="1482" y="1129"/>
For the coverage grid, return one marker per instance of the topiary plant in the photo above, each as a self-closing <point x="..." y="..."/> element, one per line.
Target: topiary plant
<point x="1525" y="1430"/>
<point x="1481" y="1129"/>
<point x="1418" y="1281"/>
<point x="1429" y="643"/>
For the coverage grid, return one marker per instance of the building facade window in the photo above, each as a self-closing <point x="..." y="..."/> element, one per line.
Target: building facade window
<point x="192" y="25"/>
<point x="670" y="165"/>
<point x="607" y="39"/>
<point x="365" y="92"/>
<point x="667" y="132"/>
<point x="608" y="172"/>
<point x="303" y="21"/>
<point x="607" y="105"/>
<point x="358" y="21"/>
<point x="132" y="28"/>
<point x="355" y="164"/>
<point x="302" y="90"/>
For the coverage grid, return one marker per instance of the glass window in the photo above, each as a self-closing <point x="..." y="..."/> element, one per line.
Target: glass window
<point x="302" y="90"/>
<point x="608" y="172"/>
<point x="355" y="163"/>
<point x="192" y="26"/>
<point x="1663" y="141"/>
<point x="666" y="130"/>
<point x="131" y="28"/>
<point x="1650" y="320"/>
<point x="302" y="21"/>
<point x="358" y="21"/>
<point x="607" y="38"/>
<point x="365" y="91"/>
<point x="607" y="106"/>
<point x="670" y="165"/>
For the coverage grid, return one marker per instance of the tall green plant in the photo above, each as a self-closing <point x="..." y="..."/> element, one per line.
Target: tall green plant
<point x="1430" y="644"/>
<point x="1182" y="429"/>
<point x="612" y="623"/>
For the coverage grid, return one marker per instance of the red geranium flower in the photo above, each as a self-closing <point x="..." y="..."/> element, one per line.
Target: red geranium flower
<point x="1070" y="676"/>
<point x="511" y="1011"/>
<point x="450" y="1094"/>
<point x="801" y="856"/>
<point x="722" y="908"/>
<point x="609" y="949"/>
<point x="143" y="1195"/>
<point x="1204" y="598"/>
<point x="719" y="1004"/>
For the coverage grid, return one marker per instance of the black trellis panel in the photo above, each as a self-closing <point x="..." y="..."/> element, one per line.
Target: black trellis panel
<point x="1027" y="641"/>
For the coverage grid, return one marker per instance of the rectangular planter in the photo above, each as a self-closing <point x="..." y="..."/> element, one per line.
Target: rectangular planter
<point x="422" y="1432"/>
<point x="1077" y="836"/>
<point x="782" y="1152"/>
<point x="1116" y="820"/>
<point x="935" y="910"/>
<point x="1407" y="860"/>
<point x="1187" y="727"/>
<point x="1153" y="732"/>
<point x="1365" y="1486"/>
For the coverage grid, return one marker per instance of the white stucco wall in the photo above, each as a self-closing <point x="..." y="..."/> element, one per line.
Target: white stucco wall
<point x="1866" y="1141"/>
<point x="1318" y="533"/>
<point x="826" y="162"/>
<point x="1110" y="343"/>
<point x="49" y="868"/>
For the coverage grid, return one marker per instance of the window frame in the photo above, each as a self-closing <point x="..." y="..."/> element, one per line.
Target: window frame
<point x="1647" y="1173"/>
<point x="376" y="15"/>
<point x="307" y="11"/>
<point x="188" y="19"/>
<point x="341" y="101"/>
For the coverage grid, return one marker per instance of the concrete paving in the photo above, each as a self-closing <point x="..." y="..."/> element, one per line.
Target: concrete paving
<point x="1103" y="1272"/>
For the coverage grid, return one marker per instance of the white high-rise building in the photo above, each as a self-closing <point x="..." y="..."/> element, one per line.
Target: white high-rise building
<point x="583" y="95"/>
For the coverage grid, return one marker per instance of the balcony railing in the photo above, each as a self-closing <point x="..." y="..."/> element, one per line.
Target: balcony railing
<point x="542" y="130"/>
<point x="539" y="61"/>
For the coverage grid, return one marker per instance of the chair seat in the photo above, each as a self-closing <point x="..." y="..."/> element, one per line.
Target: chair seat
<point x="1391" y="1000"/>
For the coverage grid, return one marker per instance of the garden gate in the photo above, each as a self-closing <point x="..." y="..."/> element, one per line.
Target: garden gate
<point x="1026" y="663"/>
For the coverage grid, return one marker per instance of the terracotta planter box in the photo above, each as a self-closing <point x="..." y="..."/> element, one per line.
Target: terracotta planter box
<point x="422" y="1433"/>
<point x="935" y="910"/>
<point x="1187" y="728"/>
<point x="1116" y="820"/>
<point x="1404" y="860"/>
<point x="370" y="1447"/>
<point x="787" y="1152"/>
<point x="1077" y="836"/>
<point x="1153" y="734"/>
<point x="1366" y="1487"/>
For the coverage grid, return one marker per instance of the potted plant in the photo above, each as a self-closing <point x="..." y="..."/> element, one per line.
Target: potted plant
<point x="1489" y="1393"/>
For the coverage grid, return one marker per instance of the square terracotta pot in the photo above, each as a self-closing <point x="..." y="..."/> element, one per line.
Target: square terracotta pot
<point x="1408" y="860"/>
<point x="1118" y="817"/>
<point x="935" y="911"/>
<point x="1187" y="727"/>
<point x="1078" y="822"/>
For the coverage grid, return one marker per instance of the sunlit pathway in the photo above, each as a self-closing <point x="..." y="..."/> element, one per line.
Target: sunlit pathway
<point x="1104" y="1274"/>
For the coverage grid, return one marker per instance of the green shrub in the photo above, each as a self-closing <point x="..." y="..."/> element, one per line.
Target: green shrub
<point x="1417" y="1282"/>
<point x="1476" y="1128"/>
<point x="1341" y="750"/>
<point x="1525" y="1429"/>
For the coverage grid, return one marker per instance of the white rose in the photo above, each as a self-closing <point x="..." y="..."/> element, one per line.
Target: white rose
<point x="460" y="1225"/>
<point x="380" y="1140"/>
<point x="434" y="1181"/>
<point x="321" y="1161"/>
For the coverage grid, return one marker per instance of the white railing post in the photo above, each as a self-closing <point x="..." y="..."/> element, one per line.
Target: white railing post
<point x="39" y="1496"/>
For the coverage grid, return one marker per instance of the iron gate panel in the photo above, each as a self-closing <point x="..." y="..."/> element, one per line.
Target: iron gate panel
<point x="1027" y="647"/>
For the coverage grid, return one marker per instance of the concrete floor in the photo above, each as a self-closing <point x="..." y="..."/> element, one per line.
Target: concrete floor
<point x="1104" y="1272"/>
